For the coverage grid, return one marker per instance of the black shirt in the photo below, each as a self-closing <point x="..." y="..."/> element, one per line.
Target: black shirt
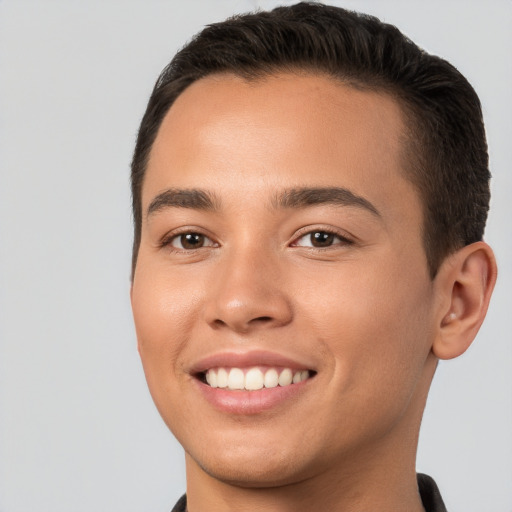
<point x="430" y="496"/>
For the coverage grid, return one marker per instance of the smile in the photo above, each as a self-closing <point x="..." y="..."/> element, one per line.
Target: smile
<point x="253" y="378"/>
<point x="252" y="382"/>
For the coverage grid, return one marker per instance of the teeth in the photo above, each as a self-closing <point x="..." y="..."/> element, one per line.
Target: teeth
<point x="253" y="378"/>
<point x="271" y="378"/>
<point x="211" y="378"/>
<point x="300" y="376"/>
<point x="236" y="379"/>
<point x="222" y="378"/>
<point x="286" y="377"/>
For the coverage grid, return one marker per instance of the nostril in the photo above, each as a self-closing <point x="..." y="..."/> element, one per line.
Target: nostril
<point x="262" y="319"/>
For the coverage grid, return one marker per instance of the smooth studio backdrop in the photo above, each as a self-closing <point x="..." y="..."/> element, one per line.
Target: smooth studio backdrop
<point x="78" y="430"/>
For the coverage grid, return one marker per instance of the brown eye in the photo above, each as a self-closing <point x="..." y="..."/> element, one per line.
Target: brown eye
<point x="190" y="241"/>
<point x="321" y="239"/>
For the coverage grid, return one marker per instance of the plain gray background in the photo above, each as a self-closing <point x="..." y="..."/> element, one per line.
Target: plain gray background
<point x="78" y="430"/>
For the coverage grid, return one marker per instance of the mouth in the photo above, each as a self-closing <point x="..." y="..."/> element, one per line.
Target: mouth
<point x="251" y="382"/>
<point x="253" y="378"/>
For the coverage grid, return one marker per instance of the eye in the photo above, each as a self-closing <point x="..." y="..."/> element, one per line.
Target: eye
<point x="190" y="241"/>
<point x="321" y="239"/>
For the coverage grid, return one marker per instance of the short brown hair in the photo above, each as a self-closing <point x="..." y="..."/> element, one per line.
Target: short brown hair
<point x="445" y="150"/>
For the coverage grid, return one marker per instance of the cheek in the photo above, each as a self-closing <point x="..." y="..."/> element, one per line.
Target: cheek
<point x="163" y="310"/>
<point x="374" y="324"/>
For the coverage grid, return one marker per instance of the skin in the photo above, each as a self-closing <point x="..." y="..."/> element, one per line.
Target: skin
<point x="362" y="312"/>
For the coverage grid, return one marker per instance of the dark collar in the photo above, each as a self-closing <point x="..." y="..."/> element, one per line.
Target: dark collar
<point x="429" y="492"/>
<point x="430" y="495"/>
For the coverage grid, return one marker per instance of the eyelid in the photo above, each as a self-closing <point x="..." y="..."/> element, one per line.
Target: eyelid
<point x="344" y="237"/>
<point x="169" y="237"/>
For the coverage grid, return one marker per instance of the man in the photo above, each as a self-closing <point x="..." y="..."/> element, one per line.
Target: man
<point x="310" y="191"/>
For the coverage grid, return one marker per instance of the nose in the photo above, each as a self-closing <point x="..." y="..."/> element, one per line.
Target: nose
<point x="249" y="293"/>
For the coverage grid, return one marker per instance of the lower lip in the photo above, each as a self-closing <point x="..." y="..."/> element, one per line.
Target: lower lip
<point x="251" y="402"/>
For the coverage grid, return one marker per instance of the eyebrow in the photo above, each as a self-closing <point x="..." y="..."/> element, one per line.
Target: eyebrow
<point x="306" y="196"/>
<point x="294" y="198"/>
<point x="183" y="198"/>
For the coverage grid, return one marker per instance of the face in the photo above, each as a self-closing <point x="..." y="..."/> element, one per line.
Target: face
<point x="280" y="242"/>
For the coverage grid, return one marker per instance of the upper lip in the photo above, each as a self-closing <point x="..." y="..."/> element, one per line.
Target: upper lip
<point x="247" y="359"/>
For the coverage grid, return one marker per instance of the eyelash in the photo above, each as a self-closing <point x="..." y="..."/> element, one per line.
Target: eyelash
<point x="167" y="241"/>
<point x="343" y="240"/>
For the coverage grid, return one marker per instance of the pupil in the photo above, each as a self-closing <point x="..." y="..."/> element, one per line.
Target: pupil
<point x="192" y="240"/>
<point x="322" y="239"/>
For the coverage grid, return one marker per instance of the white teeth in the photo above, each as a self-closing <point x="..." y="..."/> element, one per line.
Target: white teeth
<point x="253" y="378"/>
<point x="271" y="378"/>
<point x="236" y="379"/>
<point x="211" y="378"/>
<point x="222" y="378"/>
<point x="286" y="377"/>
<point x="300" y="376"/>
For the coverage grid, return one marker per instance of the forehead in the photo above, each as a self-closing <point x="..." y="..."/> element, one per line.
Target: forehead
<point x="285" y="130"/>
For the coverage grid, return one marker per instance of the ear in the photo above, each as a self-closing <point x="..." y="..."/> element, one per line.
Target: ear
<point x="464" y="284"/>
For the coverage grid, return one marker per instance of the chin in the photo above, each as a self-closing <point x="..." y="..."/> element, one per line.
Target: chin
<point x="248" y="466"/>
<point x="252" y="473"/>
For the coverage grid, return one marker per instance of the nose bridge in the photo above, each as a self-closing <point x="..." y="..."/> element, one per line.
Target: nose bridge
<point x="249" y="290"/>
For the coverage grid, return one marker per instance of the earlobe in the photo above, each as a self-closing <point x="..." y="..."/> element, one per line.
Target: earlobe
<point x="466" y="281"/>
